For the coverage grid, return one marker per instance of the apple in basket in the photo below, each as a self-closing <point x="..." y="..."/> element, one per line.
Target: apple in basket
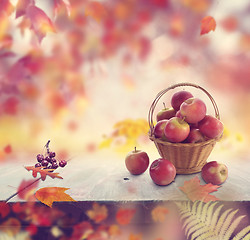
<point x="211" y="127"/>
<point x="165" y="113"/>
<point x="137" y="162"/>
<point x="162" y="172"/>
<point x="214" y="172"/>
<point x="176" y="130"/>
<point x="178" y="98"/>
<point x="193" y="110"/>
<point x="194" y="136"/>
<point x="159" y="129"/>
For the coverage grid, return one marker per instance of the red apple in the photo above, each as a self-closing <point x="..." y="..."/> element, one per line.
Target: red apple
<point x="178" y="114"/>
<point x="194" y="136"/>
<point x="214" y="172"/>
<point x="193" y="110"/>
<point x="165" y="113"/>
<point x="159" y="129"/>
<point x="137" y="162"/>
<point x="211" y="127"/>
<point x="178" y="98"/>
<point x="162" y="172"/>
<point x="176" y="130"/>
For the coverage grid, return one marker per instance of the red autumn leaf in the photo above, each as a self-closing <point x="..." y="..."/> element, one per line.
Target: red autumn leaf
<point x="26" y="189"/>
<point x="44" y="172"/>
<point x="195" y="191"/>
<point x="6" y="6"/>
<point x="48" y="195"/>
<point x="207" y="24"/>
<point x="21" y="7"/>
<point x="4" y="209"/>
<point x="7" y="149"/>
<point x="31" y="229"/>
<point x="124" y="216"/>
<point x="81" y="230"/>
<point x="98" y="213"/>
<point x="61" y="3"/>
<point x="40" y="22"/>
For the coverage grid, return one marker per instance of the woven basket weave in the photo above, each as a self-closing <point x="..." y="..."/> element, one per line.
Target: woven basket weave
<point x="187" y="158"/>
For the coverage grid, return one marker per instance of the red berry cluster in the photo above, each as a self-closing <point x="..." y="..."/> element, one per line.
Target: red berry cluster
<point x="48" y="161"/>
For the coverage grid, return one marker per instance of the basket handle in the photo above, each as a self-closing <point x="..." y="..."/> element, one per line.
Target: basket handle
<point x="161" y="93"/>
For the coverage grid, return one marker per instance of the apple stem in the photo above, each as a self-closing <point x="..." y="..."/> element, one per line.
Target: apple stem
<point x="135" y="149"/>
<point x="164" y="105"/>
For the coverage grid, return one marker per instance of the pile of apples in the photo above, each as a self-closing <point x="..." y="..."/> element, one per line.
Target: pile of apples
<point x="186" y="121"/>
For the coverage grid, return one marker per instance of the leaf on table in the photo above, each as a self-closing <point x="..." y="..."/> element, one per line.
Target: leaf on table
<point x="195" y="191"/>
<point x="98" y="213"/>
<point x="208" y="24"/>
<point x="26" y="189"/>
<point x="40" y="22"/>
<point x="48" y="195"/>
<point x="61" y="3"/>
<point x="124" y="216"/>
<point x="43" y="172"/>
<point x="6" y="6"/>
<point x="14" y="229"/>
<point x="22" y="6"/>
<point x="4" y="209"/>
<point x="159" y="214"/>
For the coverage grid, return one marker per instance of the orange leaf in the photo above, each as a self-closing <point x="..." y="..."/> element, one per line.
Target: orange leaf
<point x="40" y="22"/>
<point x="159" y="214"/>
<point x="48" y="195"/>
<point x="43" y="172"/>
<point x="195" y="191"/>
<point x="98" y="213"/>
<point x="26" y="189"/>
<point x="4" y="209"/>
<point x="124" y="216"/>
<point x="207" y="24"/>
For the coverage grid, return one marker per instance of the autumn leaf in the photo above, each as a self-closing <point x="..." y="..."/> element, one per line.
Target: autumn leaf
<point x="43" y="172"/>
<point x="48" y="195"/>
<point x="81" y="230"/>
<point x="4" y="209"/>
<point x="195" y="191"/>
<point x="6" y="6"/>
<point x="40" y="22"/>
<point x="21" y="7"/>
<point x="96" y="10"/>
<point x="124" y="216"/>
<point x="61" y="3"/>
<point x="26" y="189"/>
<point x="98" y="213"/>
<point x="159" y="214"/>
<point x="207" y="24"/>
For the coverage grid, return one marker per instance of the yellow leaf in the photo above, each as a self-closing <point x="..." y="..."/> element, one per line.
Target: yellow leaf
<point x="48" y="195"/>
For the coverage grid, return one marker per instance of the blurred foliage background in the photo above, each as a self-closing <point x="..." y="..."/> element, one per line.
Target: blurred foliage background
<point x="84" y="73"/>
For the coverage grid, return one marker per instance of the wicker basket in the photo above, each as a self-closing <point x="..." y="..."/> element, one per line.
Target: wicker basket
<point x="187" y="158"/>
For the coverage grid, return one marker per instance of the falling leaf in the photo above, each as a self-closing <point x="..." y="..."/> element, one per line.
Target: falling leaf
<point x="6" y="6"/>
<point x="43" y="172"/>
<point x="195" y="191"/>
<point x="159" y="214"/>
<point x="22" y="6"/>
<point x="14" y="229"/>
<point x="48" y="195"/>
<point x="4" y="209"/>
<point x="124" y="216"/>
<point x="207" y="24"/>
<point x="40" y="22"/>
<point x="26" y="189"/>
<point x="61" y="3"/>
<point x="96" y="10"/>
<point x="98" y="213"/>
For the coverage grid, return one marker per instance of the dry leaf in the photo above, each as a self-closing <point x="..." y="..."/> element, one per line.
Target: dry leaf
<point x="207" y="24"/>
<point x="124" y="216"/>
<point x="195" y="191"/>
<point x="48" y="195"/>
<point x="98" y="213"/>
<point x="43" y="172"/>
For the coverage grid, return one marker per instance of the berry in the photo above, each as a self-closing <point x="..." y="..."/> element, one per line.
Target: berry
<point x="38" y="165"/>
<point x="54" y="165"/>
<point x="62" y="163"/>
<point x="53" y="160"/>
<point x="47" y="158"/>
<point x="45" y="163"/>
<point x="39" y="157"/>
<point x="52" y="154"/>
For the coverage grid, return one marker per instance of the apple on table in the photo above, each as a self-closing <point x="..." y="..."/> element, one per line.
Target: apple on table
<point x="214" y="172"/>
<point x="137" y="161"/>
